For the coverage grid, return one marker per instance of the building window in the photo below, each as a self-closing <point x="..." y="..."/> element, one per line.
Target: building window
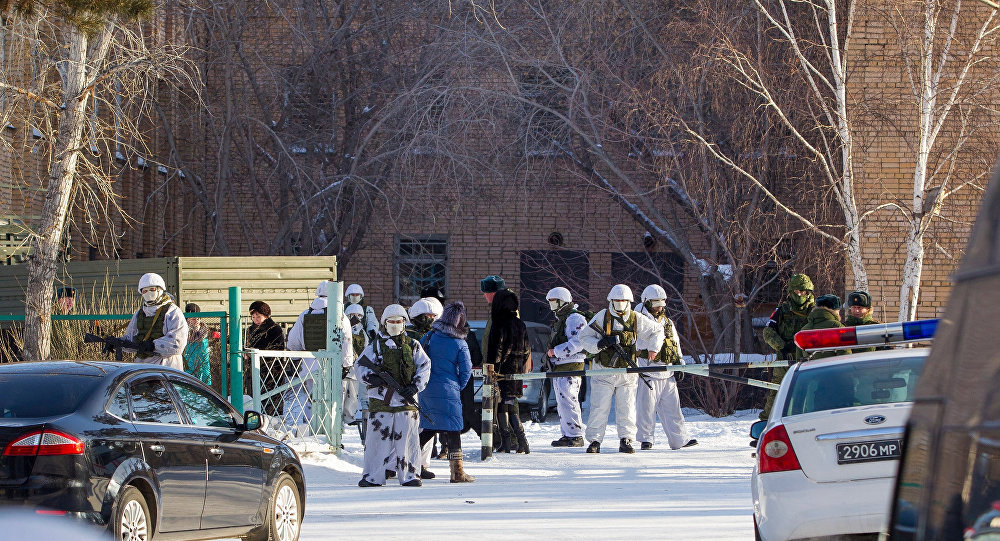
<point x="420" y="262"/>
<point x="542" y="270"/>
<point x="640" y="269"/>
<point x="542" y="129"/>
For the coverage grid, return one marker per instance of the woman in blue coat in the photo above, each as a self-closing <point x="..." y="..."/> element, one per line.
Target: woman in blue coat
<point x="441" y="401"/>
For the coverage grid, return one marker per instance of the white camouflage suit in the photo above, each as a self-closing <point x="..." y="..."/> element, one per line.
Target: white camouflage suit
<point x="170" y="347"/>
<point x="568" y="389"/>
<point x="663" y="399"/>
<point x="298" y="404"/>
<point x="351" y="386"/>
<point x="620" y="386"/>
<point x="393" y="437"/>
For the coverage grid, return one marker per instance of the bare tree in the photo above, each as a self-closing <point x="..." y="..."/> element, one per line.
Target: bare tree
<point x="77" y="72"/>
<point x="949" y="69"/>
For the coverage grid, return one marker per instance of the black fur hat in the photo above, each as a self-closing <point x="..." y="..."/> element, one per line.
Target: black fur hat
<point x="859" y="298"/>
<point x="829" y="301"/>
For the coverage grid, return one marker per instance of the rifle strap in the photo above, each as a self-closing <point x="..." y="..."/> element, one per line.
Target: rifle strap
<point x="378" y="355"/>
<point x="156" y="317"/>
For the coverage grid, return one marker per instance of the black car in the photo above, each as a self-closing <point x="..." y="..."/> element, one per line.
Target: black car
<point x="145" y="451"/>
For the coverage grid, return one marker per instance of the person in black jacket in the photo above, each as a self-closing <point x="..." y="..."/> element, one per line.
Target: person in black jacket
<point x="510" y="353"/>
<point x="266" y="334"/>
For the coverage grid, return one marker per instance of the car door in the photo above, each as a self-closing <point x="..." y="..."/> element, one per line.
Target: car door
<point x="235" y="471"/>
<point x="176" y="454"/>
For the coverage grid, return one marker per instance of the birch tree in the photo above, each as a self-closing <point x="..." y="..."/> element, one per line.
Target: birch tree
<point x="77" y="59"/>
<point x="943" y="60"/>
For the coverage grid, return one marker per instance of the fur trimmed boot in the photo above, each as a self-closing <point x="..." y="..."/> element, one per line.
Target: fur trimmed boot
<point x="458" y="474"/>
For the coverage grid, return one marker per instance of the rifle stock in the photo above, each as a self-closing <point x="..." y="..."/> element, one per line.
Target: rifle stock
<point x="620" y="353"/>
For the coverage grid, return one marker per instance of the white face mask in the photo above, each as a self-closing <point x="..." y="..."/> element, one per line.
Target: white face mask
<point x="151" y="296"/>
<point x="620" y="307"/>
<point x="555" y="304"/>
<point x="394" y="329"/>
<point x="354" y="298"/>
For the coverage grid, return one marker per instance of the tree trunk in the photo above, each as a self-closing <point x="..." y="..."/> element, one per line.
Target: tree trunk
<point x="909" y="291"/>
<point x="62" y="172"/>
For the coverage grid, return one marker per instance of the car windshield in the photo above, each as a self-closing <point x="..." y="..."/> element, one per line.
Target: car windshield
<point x="863" y="383"/>
<point x="63" y="394"/>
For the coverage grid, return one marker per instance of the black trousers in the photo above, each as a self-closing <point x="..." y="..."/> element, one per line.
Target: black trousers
<point x="451" y="439"/>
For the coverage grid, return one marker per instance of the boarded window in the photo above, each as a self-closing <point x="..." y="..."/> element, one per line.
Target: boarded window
<point x="542" y="270"/>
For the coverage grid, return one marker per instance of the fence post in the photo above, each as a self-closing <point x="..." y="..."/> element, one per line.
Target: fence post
<point x="335" y="347"/>
<point x="235" y="362"/>
<point x="224" y="356"/>
<point x="255" y="379"/>
<point x="487" y="428"/>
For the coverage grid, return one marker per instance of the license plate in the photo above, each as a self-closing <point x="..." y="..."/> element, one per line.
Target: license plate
<point x="869" y="451"/>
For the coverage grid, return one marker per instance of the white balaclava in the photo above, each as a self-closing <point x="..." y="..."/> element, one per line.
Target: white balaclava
<point x="394" y="312"/>
<point x="620" y="300"/>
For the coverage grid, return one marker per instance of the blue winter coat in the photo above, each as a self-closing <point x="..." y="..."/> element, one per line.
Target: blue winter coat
<point x="451" y="368"/>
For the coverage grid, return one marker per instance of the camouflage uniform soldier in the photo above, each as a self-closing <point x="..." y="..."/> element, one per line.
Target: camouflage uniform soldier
<point x="786" y="320"/>
<point x="826" y="315"/>
<point x="859" y="312"/>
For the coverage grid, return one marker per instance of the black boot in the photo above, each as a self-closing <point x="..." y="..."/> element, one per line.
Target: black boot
<point x="595" y="447"/>
<point x="505" y="430"/>
<point x="413" y="483"/>
<point x="567" y="441"/>
<point x="625" y="446"/>
<point x="390" y="474"/>
<point x="522" y="443"/>
<point x="692" y="442"/>
<point x="426" y="474"/>
<point x="646" y="446"/>
<point x="505" y="442"/>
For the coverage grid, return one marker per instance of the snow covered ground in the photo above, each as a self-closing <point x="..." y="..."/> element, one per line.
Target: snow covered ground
<point x="702" y="492"/>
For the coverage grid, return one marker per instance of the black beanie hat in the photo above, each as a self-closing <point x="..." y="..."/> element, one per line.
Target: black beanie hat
<point x="829" y="301"/>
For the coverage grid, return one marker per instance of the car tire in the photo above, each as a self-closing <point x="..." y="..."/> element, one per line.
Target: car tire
<point x="756" y="531"/>
<point x="284" y="513"/>
<point x="541" y="410"/>
<point x="131" y="520"/>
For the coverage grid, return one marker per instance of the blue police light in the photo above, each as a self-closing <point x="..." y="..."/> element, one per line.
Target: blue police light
<point x="920" y="330"/>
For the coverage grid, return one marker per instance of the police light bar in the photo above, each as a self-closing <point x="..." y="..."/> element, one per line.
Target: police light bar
<point x="880" y="334"/>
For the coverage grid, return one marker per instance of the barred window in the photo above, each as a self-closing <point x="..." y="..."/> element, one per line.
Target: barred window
<point x="420" y="262"/>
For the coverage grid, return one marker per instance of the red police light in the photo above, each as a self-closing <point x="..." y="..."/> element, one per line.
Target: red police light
<point x="841" y="337"/>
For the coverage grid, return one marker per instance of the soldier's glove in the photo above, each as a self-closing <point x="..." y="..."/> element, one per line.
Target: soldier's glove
<point x="411" y="390"/>
<point x="109" y="345"/>
<point x="344" y="371"/>
<point x="374" y="380"/>
<point x="146" y="346"/>
<point x="607" y="342"/>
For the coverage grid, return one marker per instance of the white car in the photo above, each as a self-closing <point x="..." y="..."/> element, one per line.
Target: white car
<point x="828" y="454"/>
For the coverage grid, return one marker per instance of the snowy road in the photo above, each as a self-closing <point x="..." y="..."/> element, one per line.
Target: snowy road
<point x="702" y="492"/>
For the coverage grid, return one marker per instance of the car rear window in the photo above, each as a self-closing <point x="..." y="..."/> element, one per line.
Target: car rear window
<point x="44" y="395"/>
<point x="863" y="383"/>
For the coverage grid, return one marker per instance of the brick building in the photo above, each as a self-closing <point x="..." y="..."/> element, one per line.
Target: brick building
<point x="527" y="226"/>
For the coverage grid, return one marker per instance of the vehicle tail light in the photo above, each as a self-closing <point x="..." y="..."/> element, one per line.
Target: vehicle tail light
<point x="44" y="443"/>
<point x="50" y="512"/>
<point x="776" y="452"/>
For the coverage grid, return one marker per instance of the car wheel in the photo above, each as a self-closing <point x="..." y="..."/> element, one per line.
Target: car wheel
<point x="131" y="519"/>
<point x="284" y="513"/>
<point x="756" y="531"/>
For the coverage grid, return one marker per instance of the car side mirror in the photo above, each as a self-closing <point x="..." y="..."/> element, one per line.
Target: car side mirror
<point x="251" y="420"/>
<point x="757" y="429"/>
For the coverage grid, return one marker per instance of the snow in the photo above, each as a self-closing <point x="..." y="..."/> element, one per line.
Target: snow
<point x="702" y="492"/>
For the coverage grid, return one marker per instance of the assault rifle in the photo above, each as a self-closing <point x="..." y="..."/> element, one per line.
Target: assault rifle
<point x="620" y="353"/>
<point x="392" y="384"/>
<point x="112" y="343"/>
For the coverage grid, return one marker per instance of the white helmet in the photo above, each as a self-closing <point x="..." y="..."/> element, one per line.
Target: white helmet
<point x="354" y="289"/>
<point x="354" y="310"/>
<point x="321" y="289"/>
<point x="151" y="279"/>
<point x="559" y="293"/>
<point x="653" y="292"/>
<point x="436" y="307"/>
<point x="394" y="310"/>
<point x="419" y="308"/>
<point x="621" y="292"/>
